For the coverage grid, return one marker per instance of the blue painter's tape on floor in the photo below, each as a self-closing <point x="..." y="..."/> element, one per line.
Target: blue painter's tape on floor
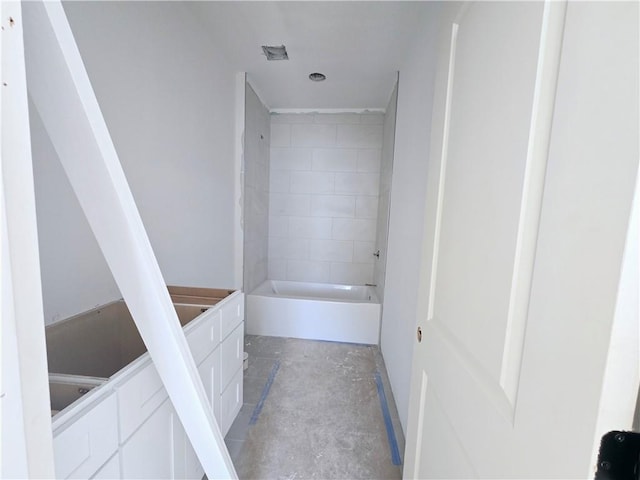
<point x="391" y="436"/>
<point x="265" y="392"/>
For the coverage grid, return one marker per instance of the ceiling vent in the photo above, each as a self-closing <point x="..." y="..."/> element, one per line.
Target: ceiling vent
<point x="275" y="52"/>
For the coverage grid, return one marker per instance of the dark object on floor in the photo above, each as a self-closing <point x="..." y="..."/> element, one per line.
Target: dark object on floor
<point x="619" y="457"/>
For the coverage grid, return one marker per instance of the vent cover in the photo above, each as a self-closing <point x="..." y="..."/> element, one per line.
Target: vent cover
<point x="275" y="52"/>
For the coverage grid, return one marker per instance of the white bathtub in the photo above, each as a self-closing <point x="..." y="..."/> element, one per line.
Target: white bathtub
<point x="317" y="311"/>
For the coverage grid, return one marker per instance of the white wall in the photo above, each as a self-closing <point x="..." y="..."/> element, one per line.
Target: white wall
<point x="168" y="99"/>
<point x="256" y="190"/>
<point x="386" y="171"/>
<point x="325" y="173"/>
<point x="75" y="275"/>
<point x="408" y="189"/>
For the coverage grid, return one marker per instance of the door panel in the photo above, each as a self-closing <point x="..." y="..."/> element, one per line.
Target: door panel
<point x="532" y="169"/>
<point x="492" y="81"/>
<point x="445" y="458"/>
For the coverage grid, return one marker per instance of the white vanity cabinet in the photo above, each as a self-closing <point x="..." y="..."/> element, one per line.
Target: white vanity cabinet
<point x="149" y="452"/>
<point x="209" y="370"/>
<point x="231" y="372"/>
<point x="82" y="446"/>
<point x="128" y="428"/>
<point x="231" y="377"/>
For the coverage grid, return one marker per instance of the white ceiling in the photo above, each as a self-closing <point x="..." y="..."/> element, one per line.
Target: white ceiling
<point x="358" y="45"/>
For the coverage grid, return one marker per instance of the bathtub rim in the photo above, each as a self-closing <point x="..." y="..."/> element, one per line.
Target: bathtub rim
<point x="268" y="284"/>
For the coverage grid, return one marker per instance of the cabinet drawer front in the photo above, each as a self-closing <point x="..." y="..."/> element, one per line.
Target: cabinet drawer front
<point x="231" y="402"/>
<point x="85" y="445"/>
<point x="138" y="396"/>
<point x="231" y="314"/>
<point x="204" y="336"/>
<point x="231" y="352"/>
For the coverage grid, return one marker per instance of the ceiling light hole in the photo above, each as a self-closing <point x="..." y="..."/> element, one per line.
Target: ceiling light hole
<point x="317" y="77"/>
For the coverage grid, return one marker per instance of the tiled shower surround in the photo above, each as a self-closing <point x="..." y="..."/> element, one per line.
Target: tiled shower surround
<point x="323" y="196"/>
<point x="256" y="190"/>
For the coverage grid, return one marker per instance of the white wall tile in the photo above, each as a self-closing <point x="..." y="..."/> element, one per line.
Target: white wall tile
<point x="262" y="173"/>
<point x="357" y="183"/>
<point x="383" y="223"/>
<point x="369" y="160"/>
<point x="372" y="118"/>
<point x="256" y="185"/>
<point x="277" y="269"/>
<point x="291" y="158"/>
<point x="354" y="229"/>
<point x="331" y="250"/>
<point x="277" y="247"/>
<point x="279" y="181"/>
<point x="367" y="207"/>
<point x="337" y="118"/>
<point x="334" y="159"/>
<point x="385" y="181"/>
<point x="289" y="248"/>
<point x="311" y="182"/>
<point x="280" y="135"/>
<point x="342" y="206"/>
<point x="255" y="178"/>
<point x="278" y="226"/>
<point x="323" y="196"/>
<point x="308" y="271"/>
<point x="310" y="227"/>
<point x="256" y="204"/>
<point x="252" y="247"/>
<point x="303" y="135"/>
<point x="260" y="271"/>
<point x="291" y="118"/>
<point x="289" y="204"/>
<point x="352" y="273"/>
<point x="362" y="252"/>
<point x="358" y="136"/>
<point x="263" y="236"/>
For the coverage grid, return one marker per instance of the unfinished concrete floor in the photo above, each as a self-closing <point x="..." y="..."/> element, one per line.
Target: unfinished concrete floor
<point x="313" y="410"/>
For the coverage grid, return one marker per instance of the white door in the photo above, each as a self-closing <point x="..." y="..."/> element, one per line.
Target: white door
<point x="533" y="165"/>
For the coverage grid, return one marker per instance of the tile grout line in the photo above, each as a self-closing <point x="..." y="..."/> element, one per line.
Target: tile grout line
<point x="391" y="436"/>
<point x="265" y="392"/>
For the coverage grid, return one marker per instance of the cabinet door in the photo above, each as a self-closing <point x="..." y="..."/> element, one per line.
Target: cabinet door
<point x="231" y="401"/>
<point x="149" y="451"/>
<point x="185" y="460"/>
<point x="209" y="373"/>
<point x="231" y="355"/>
<point x="192" y="468"/>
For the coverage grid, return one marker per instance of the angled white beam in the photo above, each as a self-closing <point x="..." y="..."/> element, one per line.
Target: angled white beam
<point x="27" y="448"/>
<point x="61" y="91"/>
